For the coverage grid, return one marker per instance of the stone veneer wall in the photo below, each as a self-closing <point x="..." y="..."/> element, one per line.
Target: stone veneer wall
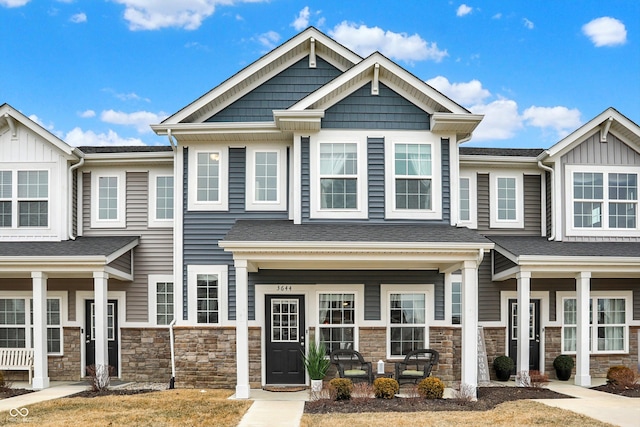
<point x="206" y="357"/>
<point x="495" y="345"/>
<point x="145" y="354"/>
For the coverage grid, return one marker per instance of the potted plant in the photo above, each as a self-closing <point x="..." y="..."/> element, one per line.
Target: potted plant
<point x="503" y="366"/>
<point x="563" y="365"/>
<point x="316" y="364"/>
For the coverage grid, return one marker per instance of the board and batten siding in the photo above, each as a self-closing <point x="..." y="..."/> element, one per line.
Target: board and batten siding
<point x="278" y="93"/>
<point x="154" y="254"/>
<point x="592" y="152"/>
<point x="202" y="230"/>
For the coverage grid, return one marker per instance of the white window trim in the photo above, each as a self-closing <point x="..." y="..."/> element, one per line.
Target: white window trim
<point x="358" y="138"/>
<point x="429" y="315"/>
<point x="358" y="311"/>
<point x="28" y="297"/>
<point x="604" y="230"/>
<point x="223" y="203"/>
<point x="594" y="295"/>
<point x="223" y="282"/>
<point x="493" y="192"/>
<point x="15" y="200"/>
<point x="280" y="204"/>
<point x="391" y="139"/>
<point x="121" y="220"/>
<point x="448" y="298"/>
<point x="472" y="222"/>
<point x="153" y="221"/>
<point x="153" y="280"/>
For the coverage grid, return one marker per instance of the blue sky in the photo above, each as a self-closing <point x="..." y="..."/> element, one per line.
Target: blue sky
<point x="98" y="72"/>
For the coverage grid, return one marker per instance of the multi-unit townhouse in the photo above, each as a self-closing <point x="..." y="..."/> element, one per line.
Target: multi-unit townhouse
<point x="320" y="195"/>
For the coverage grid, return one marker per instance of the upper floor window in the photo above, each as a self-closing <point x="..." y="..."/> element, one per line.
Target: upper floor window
<point x="208" y="179"/>
<point x="603" y="200"/>
<point x="412" y="182"/>
<point x="108" y="199"/>
<point x="339" y="171"/>
<point x="160" y="199"/>
<point x="507" y="200"/>
<point x="266" y="178"/>
<point x="24" y="199"/>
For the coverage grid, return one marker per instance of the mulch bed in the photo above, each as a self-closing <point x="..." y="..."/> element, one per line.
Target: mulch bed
<point x="633" y="391"/>
<point x="6" y="392"/>
<point x="488" y="398"/>
<point x="111" y="392"/>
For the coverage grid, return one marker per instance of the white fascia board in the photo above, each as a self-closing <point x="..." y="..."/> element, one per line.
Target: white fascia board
<point x="215" y="128"/>
<point x="133" y="157"/>
<point x="269" y="246"/>
<point x="455" y="122"/>
<point x="503" y="161"/>
<point x="117" y="254"/>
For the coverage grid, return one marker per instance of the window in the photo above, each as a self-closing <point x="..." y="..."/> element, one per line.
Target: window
<point x="24" y="199"/>
<point x="16" y="328"/>
<point x="160" y="199"/>
<point x="207" y="293"/>
<point x="603" y="200"/>
<point x="608" y="329"/>
<point x="266" y="178"/>
<point x="208" y="179"/>
<point x="465" y="202"/>
<point x="507" y="200"/>
<point x="164" y="303"/>
<point x="456" y="302"/>
<point x="336" y="318"/>
<point x="108" y="199"/>
<point x="407" y="324"/>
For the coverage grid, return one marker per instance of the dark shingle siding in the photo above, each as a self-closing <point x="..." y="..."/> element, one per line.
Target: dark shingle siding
<point x="509" y="152"/>
<point x="125" y="149"/>
<point x="540" y="246"/>
<point x="82" y="246"/>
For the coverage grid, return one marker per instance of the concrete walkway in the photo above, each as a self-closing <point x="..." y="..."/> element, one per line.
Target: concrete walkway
<point x="57" y="390"/>
<point x="282" y="409"/>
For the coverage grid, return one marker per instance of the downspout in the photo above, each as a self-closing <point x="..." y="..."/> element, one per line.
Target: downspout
<point x="551" y="175"/>
<point x="171" y="138"/>
<point x="72" y="195"/>
<point x="172" y="382"/>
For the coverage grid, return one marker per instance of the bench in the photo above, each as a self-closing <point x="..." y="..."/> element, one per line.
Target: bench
<point x="17" y="359"/>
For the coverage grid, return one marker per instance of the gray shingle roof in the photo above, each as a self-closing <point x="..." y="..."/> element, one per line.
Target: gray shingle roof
<point x="82" y="246"/>
<point x="540" y="246"/>
<point x="509" y="152"/>
<point x="125" y="149"/>
<point x="287" y="231"/>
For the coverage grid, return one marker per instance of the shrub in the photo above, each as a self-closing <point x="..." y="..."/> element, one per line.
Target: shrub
<point x="503" y="363"/>
<point x="2" y="383"/>
<point x="431" y="388"/>
<point x="563" y="362"/>
<point x="621" y="376"/>
<point x="99" y="376"/>
<point x="385" y="388"/>
<point x="340" y="388"/>
<point x="465" y="393"/>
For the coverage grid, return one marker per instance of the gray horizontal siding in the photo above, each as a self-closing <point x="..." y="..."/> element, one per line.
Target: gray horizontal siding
<point x="483" y="201"/>
<point x="122" y="263"/>
<point x="501" y="263"/>
<point x="388" y="110"/>
<point x="374" y="301"/>
<point x="375" y="157"/>
<point x="446" y="181"/>
<point x="278" y="93"/>
<point x="154" y="254"/>
<point x="488" y="293"/>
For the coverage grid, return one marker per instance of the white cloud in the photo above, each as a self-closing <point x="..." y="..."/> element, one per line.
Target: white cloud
<point x="302" y="20"/>
<point x="501" y="120"/>
<point x="463" y="10"/>
<point x="497" y="16"/>
<point x="78" y="137"/>
<point x="528" y="24"/>
<point x="50" y="127"/>
<point x="400" y="46"/>
<point x="131" y="96"/>
<point x="13" y="3"/>
<point x="87" y="114"/>
<point x="560" y="119"/>
<point x="605" y="31"/>
<point x="157" y="14"/>
<point x="78" y="18"/>
<point x="470" y="93"/>
<point x="269" y="39"/>
<point x="139" y="119"/>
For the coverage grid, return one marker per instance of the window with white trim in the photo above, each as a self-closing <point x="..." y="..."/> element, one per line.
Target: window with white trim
<point x="507" y="200"/>
<point x="266" y="178"/>
<point x="605" y="200"/>
<point x="207" y="293"/>
<point x="407" y="322"/>
<point x="608" y="325"/>
<point x="467" y="199"/>
<point x="336" y="320"/>
<point x="16" y="328"/>
<point x="161" y="199"/>
<point x="108" y="199"/>
<point x="456" y="302"/>
<point x="24" y="198"/>
<point x="208" y="180"/>
<point x="164" y="303"/>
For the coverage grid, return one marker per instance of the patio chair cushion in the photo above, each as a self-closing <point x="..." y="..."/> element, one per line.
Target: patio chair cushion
<point x="413" y="373"/>
<point x="353" y="372"/>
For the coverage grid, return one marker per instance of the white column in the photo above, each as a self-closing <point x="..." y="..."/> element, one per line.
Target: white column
<point x="100" y="281"/>
<point x="524" y="297"/>
<point x="583" y="283"/>
<point x="242" y="330"/>
<point x="40" y="358"/>
<point x="469" y="368"/>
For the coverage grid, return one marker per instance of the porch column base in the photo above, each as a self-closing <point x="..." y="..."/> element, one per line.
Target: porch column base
<point x="40" y="383"/>
<point x="583" y="380"/>
<point x="242" y="391"/>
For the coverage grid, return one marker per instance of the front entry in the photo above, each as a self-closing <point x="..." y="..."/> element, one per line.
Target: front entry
<point x="112" y="334"/>
<point x="534" y="332"/>
<point x="284" y="339"/>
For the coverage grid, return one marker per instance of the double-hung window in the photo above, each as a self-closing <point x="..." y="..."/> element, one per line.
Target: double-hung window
<point x="16" y="323"/>
<point x="207" y="293"/>
<point x="24" y="198"/>
<point x="161" y="199"/>
<point x="407" y="322"/>
<point x="603" y="200"/>
<point x="507" y="200"/>
<point x="208" y="180"/>
<point x="336" y="315"/>
<point x="266" y="178"/>
<point x="608" y="329"/>
<point x="108" y="199"/>
<point x="413" y="176"/>
<point x="467" y="200"/>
